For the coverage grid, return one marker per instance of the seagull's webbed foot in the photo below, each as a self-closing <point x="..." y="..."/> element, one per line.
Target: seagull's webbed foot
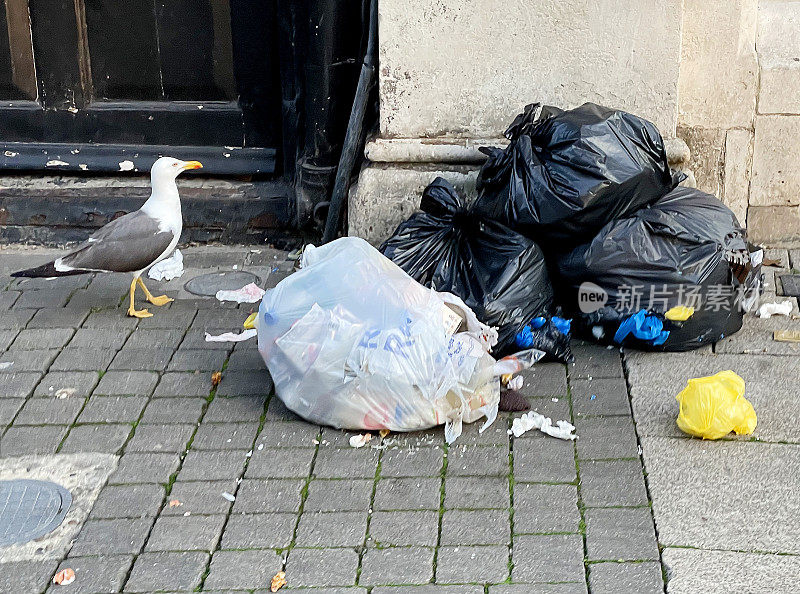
<point x="157" y="301"/>
<point x="139" y="313"/>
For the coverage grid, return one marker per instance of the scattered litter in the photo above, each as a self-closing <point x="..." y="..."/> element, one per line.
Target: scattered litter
<point x="359" y="441"/>
<point x="175" y="503"/>
<point x="126" y="165"/>
<point x="249" y="454"/>
<point x="593" y="397"/>
<point x="167" y="269"/>
<point x="679" y="313"/>
<point x="254" y="251"/>
<point x="64" y="577"/>
<point x="6" y="365"/>
<point x="767" y="310"/>
<point x="231" y="336"/>
<point x="550" y="335"/>
<point x="216" y="378"/>
<point x="515" y="383"/>
<point x="713" y="406"/>
<point x="65" y="393"/>
<point x="235" y="267"/>
<point x="278" y="581"/>
<point x="228" y="496"/>
<point x="384" y="432"/>
<point x="55" y="163"/>
<point x="247" y="294"/>
<point x="533" y="420"/>
<point x="771" y="262"/>
<point x="786" y="335"/>
<point x="187" y="514"/>
<point x="554" y="399"/>
<point x="250" y="322"/>
<point x="260" y="447"/>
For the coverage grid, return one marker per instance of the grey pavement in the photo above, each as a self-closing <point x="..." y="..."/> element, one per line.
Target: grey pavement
<point x="489" y="513"/>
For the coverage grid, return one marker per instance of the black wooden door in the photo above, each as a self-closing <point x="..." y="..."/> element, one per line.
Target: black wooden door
<point x="108" y="85"/>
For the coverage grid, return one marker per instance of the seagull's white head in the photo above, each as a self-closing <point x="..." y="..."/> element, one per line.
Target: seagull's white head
<point x="166" y="169"/>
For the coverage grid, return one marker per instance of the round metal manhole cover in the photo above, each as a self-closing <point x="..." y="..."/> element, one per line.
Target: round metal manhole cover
<point x="207" y="285"/>
<point x="30" y="509"/>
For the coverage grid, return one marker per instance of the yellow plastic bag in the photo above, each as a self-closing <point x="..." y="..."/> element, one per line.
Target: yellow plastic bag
<point x="713" y="406"/>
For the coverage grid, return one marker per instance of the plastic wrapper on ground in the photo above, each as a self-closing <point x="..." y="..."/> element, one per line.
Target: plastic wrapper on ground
<point x="713" y="406"/>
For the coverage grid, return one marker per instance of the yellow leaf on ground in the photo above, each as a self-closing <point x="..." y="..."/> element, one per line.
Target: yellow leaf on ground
<point x="278" y="581"/>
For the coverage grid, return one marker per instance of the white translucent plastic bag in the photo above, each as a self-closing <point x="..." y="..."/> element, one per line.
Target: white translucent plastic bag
<point x="352" y="341"/>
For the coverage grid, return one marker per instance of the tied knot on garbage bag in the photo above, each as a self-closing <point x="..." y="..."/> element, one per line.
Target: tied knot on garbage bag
<point x="713" y="406"/>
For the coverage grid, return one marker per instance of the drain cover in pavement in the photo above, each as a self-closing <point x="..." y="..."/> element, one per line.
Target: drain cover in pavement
<point x="791" y="285"/>
<point x="30" y="509"/>
<point x="207" y="285"/>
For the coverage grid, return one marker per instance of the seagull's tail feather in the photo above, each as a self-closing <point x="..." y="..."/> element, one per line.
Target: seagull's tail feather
<point x="46" y="271"/>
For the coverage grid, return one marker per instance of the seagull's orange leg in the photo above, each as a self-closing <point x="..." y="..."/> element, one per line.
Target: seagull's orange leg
<point x="132" y="311"/>
<point x="157" y="301"/>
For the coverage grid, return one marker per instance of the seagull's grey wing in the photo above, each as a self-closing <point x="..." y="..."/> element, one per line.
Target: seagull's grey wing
<point x="127" y="244"/>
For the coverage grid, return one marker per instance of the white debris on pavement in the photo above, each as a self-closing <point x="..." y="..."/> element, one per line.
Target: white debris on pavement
<point x="767" y="310"/>
<point x="533" y="420"/>
<point x="515" y="383"/>
<point x="65" y="393"/>
<point x="6" y="365"/>
<point x="359" y="441"/>
<point x="247" y="294"/>
<point x="167" y="269"/>
<point x="228" y="496"/>
<point x="231" y="336"/>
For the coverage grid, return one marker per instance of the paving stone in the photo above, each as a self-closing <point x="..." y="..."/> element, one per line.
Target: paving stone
<point x="127" y="383"/>
<point x="97" y="574"/>
<point x="341" y="463"/>
<point x="476" y="493"/>
<point x="261" y="496"/>
<point x="213" y="466"/>
<point x="73" y="359"/>
<point x="245" y="383"/>
<point x="724" y="495"/>
<point x="26" y="577"/>
<point x="9" y="408"/>
<point x="225" y="436"/>
<point x="109" y="537"/>
<point x="112" y="409"/>
<point x="185" y="533"/>
<point x="27" y="440"/>
<point x="593" y="361"/>
<point x="128" y="501"/>
<point x="196" y="339"/>
<point x="548" y="558"/>
<point x="544" y="380"/>
<point x="15" y="319"/>
<point x="401" y="528"/>
<point x="86" y="299"/>
<point x="7" y="298"/>
<point x="173" y="410"/>
<point x="412" y="462"/>
<point x="7" y="337"/>
<point x="57" y="318"/>
<point x="144" y="338"/>
<point x="108" y="318"/>
<point x="406" y="565"/>
<point x="246" y="360"/>
<point x="338" y="495"/>
<point x="429" y="589"/>
<point x="472" y="564"/>
<point x="494" y="435"/>
<point x="461" y="527"/>
<point x="540" y="458"/>
<point x="35" y="299"/>
<point x="621" y="534"/>
<point x="756" y="336"/>
<point x="155" y="359"/>
<point x="226" y="569"/>
<point x="260" y="531"/>
<point x="408" y="493"/>
<point x="277" y="410"/>
<point x="562" y="588"/>
<point x="556" y="408"/>
<point x="710" y="572"/>
<point x="49" y="411"/>
<point x="184" y="384"/>
<point x="55" y="284"/>
<point x="618" y="482"/>
<point x="219" y="318"/>
<point x="83" y="382"/>
<point x="19" y="385"/>
<point x="280" y="463"/>
<point x="469" y="460"/>
<point x="202" y="497"/>
<point x="96" y="438"/>
<point x="228" y="410"/>
<point x="610" y="397"/>
<point x="605" y="438"/>
<point x="293" y="434"/>
<point x="160" y="438"/>
<point x="27" y="361"/>
<point x="197" y="360"/>
<point x="42" y="338"/>
<point x="167" y="571"/>
<point x="331" y="529"/>
<point x="545" y="508"/>
<point x="608" y="578"/>
<point x="145" y="468"/>
<point x="100" y="338"/>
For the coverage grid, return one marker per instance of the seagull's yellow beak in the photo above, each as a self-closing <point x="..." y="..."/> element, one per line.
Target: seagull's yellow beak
<point x="192" y="165"/>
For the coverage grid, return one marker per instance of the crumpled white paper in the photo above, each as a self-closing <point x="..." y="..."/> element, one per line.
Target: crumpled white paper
<point x="533" y="420"/>
<point x="247" y="294"/>
<point x="231" y="336"/>
<point x="359" y="441"/>
<point x="767" y="310"/>
<point x="515" y="383"/>
<point x="167" y="269"/>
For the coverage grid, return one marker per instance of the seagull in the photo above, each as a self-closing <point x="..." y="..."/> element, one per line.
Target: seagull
<point x="133" y="242"/>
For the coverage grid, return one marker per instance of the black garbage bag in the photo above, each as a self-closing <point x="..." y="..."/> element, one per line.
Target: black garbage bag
<point x="550" y="335"/>
<point x="687" y="250"/>
<point x="499" y="274"/>
<point x="565" y="174"/>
